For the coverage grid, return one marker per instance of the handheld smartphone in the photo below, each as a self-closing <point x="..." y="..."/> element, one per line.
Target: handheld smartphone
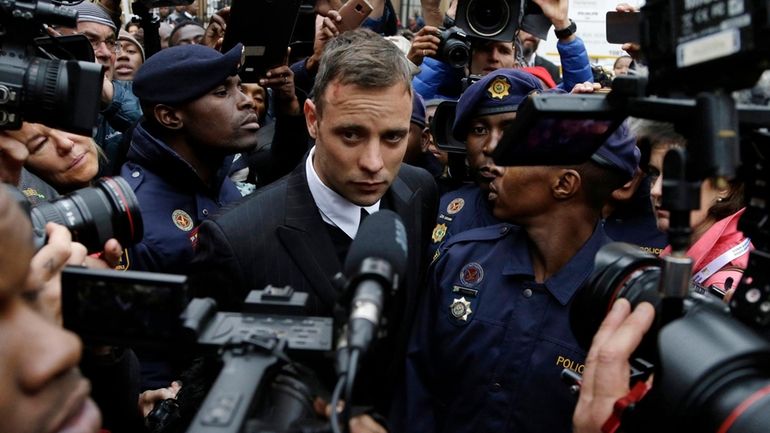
<point x="353" y="13"/>
<point x="623" y="27"/>
<point x="265" y="29"/>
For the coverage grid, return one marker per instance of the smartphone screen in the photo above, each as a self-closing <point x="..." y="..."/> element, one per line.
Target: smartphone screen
<point x="623" y="27"/>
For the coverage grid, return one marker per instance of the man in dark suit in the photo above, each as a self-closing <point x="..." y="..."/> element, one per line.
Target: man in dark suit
<point x="297" y="230"/>
<point x="529" y="44"/>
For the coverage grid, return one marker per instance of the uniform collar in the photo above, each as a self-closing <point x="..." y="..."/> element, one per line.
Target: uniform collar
<point x="334" y="208"/>
<point x="155" y="155"/>
<point x="565" y="283"/>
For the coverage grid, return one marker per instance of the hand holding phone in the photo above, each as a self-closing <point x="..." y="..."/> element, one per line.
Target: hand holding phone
<point x="353" y="13"/>
<point x="623" y="27"/>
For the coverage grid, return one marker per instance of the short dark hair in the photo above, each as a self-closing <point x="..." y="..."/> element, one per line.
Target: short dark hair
<point x="179" y="26"/>
<point x="362" y="58"/>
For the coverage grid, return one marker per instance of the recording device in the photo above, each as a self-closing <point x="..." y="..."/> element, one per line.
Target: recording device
<point x="454" y="48"/>
<point x="712" y="371"/>
<point x="690" y="46"/>
<point x="93" y="215"/>
<point x="73" y="47"/>
<point x="622" y="27"/>
<point x="265" y="29"/>
<point x="353" y="13"/>
<point x="259" y="388"/>
<point x="375" y="263"/>
<point x="499" y="20"/>
<point x="61" y="94"/>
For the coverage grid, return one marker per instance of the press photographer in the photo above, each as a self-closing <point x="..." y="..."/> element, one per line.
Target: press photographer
<point x="489" y="28"/>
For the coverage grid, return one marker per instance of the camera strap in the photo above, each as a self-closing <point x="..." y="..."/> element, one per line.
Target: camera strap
<point x="715" y="265"/>
<point x="624" y="405"/>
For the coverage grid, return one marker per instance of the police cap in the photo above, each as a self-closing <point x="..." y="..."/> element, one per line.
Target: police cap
<point x="184" y="73"/>
<point x="499" y="92"/>
<point x="619" y="152"/>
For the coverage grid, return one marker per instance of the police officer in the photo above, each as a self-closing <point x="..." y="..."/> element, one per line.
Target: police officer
<point x="493" y="332"/>
<point x="484" y="110"/>
<point x="196" y="115"/>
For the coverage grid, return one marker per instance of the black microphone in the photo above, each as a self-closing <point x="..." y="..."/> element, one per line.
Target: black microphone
<point x="374" y="264"/>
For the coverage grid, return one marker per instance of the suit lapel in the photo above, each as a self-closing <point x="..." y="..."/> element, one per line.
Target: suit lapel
<point x="307" y="240"/>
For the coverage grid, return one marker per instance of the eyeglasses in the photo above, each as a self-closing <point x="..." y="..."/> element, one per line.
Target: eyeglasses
<point x="110" y="43"/>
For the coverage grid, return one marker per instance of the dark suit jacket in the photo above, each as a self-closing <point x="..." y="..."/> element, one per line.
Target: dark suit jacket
<point x="277" y="236"/>
<point x="549" y="66"/>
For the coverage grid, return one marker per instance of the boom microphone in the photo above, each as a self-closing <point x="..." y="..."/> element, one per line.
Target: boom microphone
<point x="375" y="263"/>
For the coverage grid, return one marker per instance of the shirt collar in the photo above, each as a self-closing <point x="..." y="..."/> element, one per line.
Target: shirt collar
<point x="566" y="282"/>
<point x="334" y="208"/>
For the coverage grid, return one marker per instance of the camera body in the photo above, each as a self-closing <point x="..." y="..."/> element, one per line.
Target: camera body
<point x="259" y="388"/>
<point x="454" y="48"/>
<point x="62" y="94"/>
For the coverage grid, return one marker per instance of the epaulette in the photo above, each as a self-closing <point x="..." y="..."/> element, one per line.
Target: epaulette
<point x="489" y="233"/>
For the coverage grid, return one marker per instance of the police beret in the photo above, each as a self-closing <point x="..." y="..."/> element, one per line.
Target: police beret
<point x="499" y="92"/>
<point x="619" y="152"/>
<point x="183" y="73"/>
<point x="418" y="110"/>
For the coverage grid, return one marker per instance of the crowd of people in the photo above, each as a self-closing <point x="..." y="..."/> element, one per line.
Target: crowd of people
<point x="244" y="185"/>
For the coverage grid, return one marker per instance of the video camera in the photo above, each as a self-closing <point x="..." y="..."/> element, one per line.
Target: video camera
<point x="258" y="388"/>
<point x="711" y="371"/>
<point x="62" y="94"/>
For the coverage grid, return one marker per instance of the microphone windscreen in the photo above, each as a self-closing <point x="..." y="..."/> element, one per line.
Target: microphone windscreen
<point x="382" y="235"/>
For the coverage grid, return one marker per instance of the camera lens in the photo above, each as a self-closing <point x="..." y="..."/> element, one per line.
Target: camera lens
<point x="456" y="53"/>
<point x="94" y="215"/>
<point x="620" y="271"/>
<point x="488" y="18"/>
<point x="53" y="87"/>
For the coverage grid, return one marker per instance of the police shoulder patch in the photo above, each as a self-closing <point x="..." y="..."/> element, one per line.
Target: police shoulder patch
<point x="455" y="206"/>
<point x="471" y="274"/>
<point x="182" y="220"/>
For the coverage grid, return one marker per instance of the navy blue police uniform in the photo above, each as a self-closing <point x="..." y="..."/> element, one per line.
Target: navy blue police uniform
<point x="635" y="222"/>
<point x="490" y="343"/>
<point x="467" y="207"/>
<point x="462" y="209"/>
<point x="173" y="199"/>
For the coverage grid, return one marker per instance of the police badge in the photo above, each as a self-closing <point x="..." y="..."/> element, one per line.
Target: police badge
<point x="460" y="309"/>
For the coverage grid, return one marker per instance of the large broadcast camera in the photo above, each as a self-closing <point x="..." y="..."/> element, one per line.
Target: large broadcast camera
<point x="260" y="387"/>
<point x="710" y="362"/>
<point x="62" y="94"/>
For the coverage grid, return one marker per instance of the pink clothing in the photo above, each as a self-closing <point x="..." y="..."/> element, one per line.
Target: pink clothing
<point x="722" y="236"/>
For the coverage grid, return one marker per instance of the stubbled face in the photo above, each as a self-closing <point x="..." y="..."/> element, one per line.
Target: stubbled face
<point x="63" y="159"/>
<point x="361" y="138"/>
<point x="103" y="41"/>
<point x="222" y="120"/>
<point x="128" y="61"/>
<point x="43" y="391"/>
<point x="483" y="135"/>
<point x="491" y="56"/>
<point x="699" y="219"/>
<point x="529" y="43"/>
